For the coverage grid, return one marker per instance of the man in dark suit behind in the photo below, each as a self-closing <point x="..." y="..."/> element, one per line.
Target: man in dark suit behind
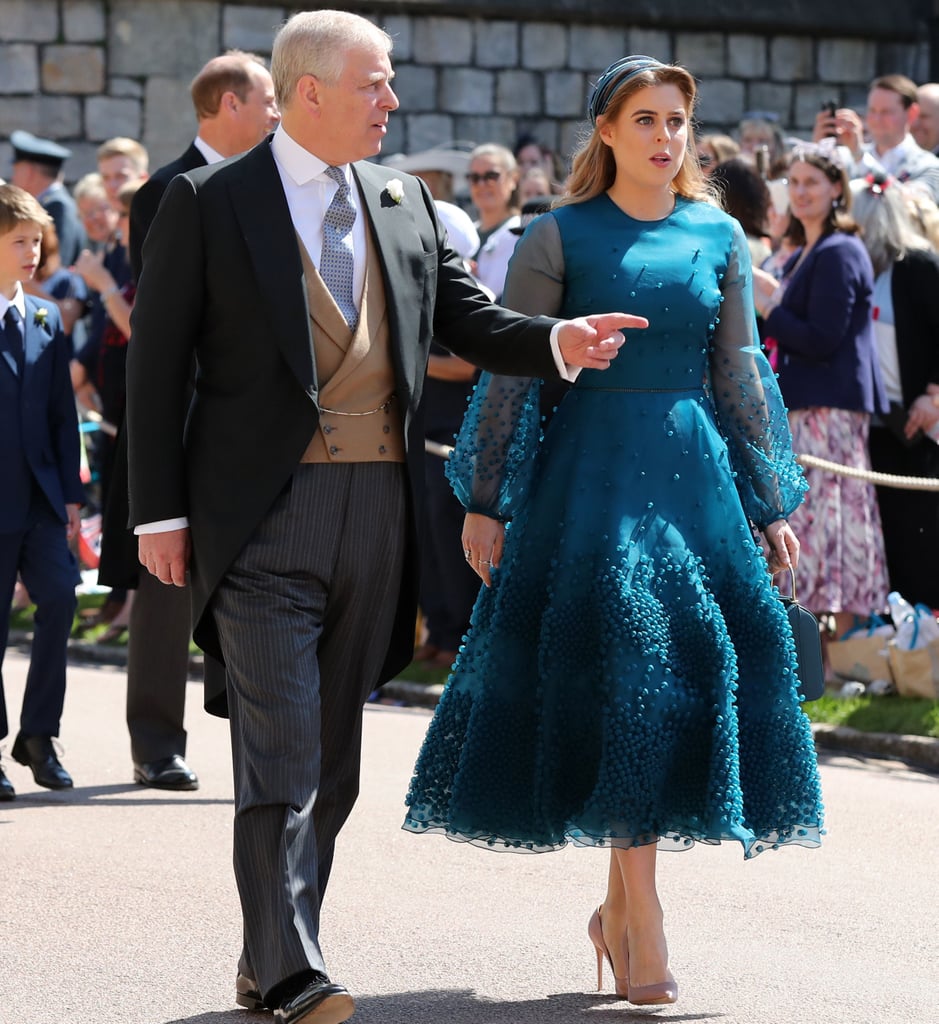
<point x="294" y="497"/>
<point x="233" y="97"/>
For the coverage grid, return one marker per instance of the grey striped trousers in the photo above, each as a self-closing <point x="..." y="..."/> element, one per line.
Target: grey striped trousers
<point x="304" y="616"/>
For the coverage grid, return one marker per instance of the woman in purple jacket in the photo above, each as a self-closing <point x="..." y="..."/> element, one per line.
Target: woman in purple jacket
<point x="820" y="315"/>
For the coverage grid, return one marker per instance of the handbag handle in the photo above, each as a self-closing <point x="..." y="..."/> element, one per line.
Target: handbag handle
<point x="792" y="586"/>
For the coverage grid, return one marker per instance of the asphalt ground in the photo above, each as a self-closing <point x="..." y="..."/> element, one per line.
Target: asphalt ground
<point x="117" y="903"/>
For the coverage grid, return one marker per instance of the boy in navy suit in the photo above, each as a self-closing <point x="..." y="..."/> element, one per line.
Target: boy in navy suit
<point x="42" y="490"/>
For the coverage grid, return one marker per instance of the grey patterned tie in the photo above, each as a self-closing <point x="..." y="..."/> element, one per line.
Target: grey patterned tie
<point x="336" y="263"/>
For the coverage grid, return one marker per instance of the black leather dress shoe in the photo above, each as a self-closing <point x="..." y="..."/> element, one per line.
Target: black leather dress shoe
<point x="319" y="1002"/>
<point x="167" y="773"/>
<point x="7" y="792"/>
<point x="247" y="993"/>
<point x="39" y="754"/>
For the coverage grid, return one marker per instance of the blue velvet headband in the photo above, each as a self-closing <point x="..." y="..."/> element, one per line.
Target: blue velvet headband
<point x="616" y="75"/>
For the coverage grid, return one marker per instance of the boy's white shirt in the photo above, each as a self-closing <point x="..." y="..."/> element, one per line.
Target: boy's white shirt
<point x="18" y="302"/>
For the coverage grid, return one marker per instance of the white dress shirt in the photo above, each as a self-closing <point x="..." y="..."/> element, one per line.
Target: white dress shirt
<point x="18" y="302"/>
<point x="212" y="156"/>
<point x="309" y="191"/>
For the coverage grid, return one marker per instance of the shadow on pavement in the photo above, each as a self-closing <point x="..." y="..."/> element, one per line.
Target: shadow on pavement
<point x="900" y="769"/>
<point x="462" y="1005"/>
<point x="109" y="796"/>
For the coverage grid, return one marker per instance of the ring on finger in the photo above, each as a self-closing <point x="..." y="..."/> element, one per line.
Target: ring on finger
<point x="467" y="554"/>
<point x="484" y="561"/>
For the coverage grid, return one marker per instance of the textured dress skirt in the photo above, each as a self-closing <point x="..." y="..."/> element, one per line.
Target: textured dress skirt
<point x="629" y="676"/>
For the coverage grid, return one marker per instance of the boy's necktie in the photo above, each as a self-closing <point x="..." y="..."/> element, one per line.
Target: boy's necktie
<point x="13" y="336"/>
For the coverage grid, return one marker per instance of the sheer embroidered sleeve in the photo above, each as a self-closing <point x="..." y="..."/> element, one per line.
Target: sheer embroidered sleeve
<point x="492" y="462"/>
<point x="749" y="405"/>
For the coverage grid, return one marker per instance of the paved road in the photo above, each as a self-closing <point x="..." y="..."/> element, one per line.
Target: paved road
<point x="117" y="903"/>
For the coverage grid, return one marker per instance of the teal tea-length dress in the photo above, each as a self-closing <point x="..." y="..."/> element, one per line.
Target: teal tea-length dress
<point x="629" y="676"/>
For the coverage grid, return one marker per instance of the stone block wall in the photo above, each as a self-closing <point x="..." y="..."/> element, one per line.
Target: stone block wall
<point x="81" y="71"/>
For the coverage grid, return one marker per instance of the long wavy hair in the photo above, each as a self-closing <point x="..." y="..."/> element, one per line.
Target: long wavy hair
<point x="593" y="168"/>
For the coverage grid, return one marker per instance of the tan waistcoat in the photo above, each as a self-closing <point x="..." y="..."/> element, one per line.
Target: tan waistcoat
<point x="360" y="418"/>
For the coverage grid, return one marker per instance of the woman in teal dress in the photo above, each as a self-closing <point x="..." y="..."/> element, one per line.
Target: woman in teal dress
<point x="628" y="677"/>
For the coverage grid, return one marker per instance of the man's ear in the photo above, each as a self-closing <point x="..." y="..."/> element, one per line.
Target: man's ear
<point x="308" y="93"/>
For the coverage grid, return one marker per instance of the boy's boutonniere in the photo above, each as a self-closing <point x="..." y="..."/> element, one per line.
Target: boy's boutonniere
<point x="39" y="317"/>
<point x="395" y="189"/>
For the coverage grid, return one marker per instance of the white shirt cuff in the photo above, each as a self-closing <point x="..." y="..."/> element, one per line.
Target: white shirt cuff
<point x="567" y="372"/>
<point x="162" y="526"/>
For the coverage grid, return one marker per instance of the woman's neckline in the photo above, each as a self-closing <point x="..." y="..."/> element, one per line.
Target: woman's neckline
<point x="646" y="220"/>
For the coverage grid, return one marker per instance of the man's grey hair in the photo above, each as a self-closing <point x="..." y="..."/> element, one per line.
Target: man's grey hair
<point x="316" y="43"/>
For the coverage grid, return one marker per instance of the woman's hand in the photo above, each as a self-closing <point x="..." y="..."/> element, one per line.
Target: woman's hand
<point x="765" y="291"/>
<point x="783" y="546"/>
<point x="90" y="267"/>
<point x="483" y="538"/>
<point x="922" y="415"/>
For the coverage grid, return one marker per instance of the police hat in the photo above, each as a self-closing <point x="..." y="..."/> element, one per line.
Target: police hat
<point x="27" y="146"/>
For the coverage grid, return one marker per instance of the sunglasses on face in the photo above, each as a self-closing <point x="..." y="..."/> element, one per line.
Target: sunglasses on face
<point x="474" y="179"/>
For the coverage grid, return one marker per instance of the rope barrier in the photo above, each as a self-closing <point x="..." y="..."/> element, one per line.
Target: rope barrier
<point x="435" y="448"/>
<point x="907" y="483"/>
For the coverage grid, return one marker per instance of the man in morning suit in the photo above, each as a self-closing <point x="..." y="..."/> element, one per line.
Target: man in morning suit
<point x="309" y="283"/>
<point x="42" y="490"/>
<point x="233" y="97"/>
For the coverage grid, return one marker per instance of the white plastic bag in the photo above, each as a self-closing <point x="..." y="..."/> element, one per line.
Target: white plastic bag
<point x="916" y="626"/>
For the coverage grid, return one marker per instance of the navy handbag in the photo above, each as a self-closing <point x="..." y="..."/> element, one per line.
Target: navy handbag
<point x="809" y="666"/>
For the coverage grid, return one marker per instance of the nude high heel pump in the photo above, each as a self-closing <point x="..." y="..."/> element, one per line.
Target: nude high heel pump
<point x="658" y="993"/>
<point x="652" y="995"/>
<point x="595" y="933"/>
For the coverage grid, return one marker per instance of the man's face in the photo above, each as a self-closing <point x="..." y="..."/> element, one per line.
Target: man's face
<point x="353" y="111"/>
<point x="256" y="116"/>
<point x="19" y="255"/>
<point x="887" y="119"/>
<point x="26" y="175"/>
<point x="925" y="126"/>
<point x="99" y="217"/>
<point x="117" y="171"/>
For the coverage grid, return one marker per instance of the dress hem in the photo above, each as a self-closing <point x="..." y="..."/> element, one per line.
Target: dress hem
<point x="809" y="836"/>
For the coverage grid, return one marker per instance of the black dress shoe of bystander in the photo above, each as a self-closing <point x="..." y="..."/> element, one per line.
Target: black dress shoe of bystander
<point x="319" y="1002"/>
<point x="38" y="753"/>
<point x="7" y="792"/>
<point x="167" y="773"/>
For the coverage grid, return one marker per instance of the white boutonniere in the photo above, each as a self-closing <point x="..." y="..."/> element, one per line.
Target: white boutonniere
<point x="395" y="189"/>
<point x="39" y="317"/>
